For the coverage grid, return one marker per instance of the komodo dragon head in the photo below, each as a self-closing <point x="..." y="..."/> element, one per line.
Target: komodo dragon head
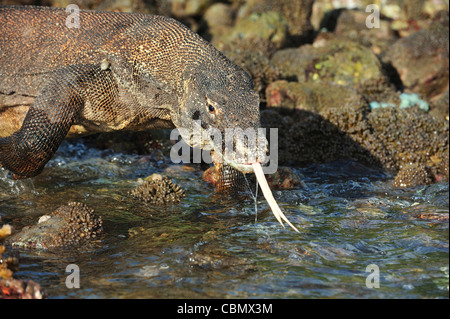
<point x="217" y="100"/>
<point x="220" y="98"/>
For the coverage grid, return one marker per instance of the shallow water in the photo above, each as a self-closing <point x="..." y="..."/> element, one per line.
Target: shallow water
<point x="216" y="246"/>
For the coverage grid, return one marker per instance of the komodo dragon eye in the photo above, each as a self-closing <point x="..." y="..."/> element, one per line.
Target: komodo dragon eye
<point x="211" y="108"/>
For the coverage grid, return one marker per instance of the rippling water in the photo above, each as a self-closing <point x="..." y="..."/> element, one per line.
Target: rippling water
<point x="215" y="246"/>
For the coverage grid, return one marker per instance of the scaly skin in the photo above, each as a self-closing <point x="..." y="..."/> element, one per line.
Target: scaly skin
<point x="117" y="71"/>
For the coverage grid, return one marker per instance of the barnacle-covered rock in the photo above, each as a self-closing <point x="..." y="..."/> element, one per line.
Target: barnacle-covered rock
<point x="68" y="225"/>
<point x="412" y="175"/>
<point x="306" y="137"/>
<point x="389" y="138"/>
<point x="443" y="167"/>
<point x="409" y="136"/>
<point x="158" y="191"/>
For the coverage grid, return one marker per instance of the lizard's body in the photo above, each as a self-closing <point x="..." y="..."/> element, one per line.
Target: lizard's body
<point x="116" y="71"/>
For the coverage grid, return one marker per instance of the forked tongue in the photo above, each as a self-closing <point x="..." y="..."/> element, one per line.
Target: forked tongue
<point x="257" y="168"/>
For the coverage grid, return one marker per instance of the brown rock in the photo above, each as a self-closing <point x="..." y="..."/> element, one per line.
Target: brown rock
<point x="422" y="59"/>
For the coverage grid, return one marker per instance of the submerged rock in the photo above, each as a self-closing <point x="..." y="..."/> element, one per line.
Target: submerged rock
<point x="158" y="191"/>
<point x="67" y="226"/>
<point x="20" y="289"/>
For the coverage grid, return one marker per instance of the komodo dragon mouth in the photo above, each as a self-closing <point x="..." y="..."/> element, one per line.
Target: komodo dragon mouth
<point x="256" y="167"/>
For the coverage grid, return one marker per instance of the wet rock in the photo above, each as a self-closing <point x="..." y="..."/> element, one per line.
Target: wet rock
<point x="213" y="259"/>
<point x="68" y="225"/>
<point x="337" y="61"/>
<point x="210" y="176"/>
<point x="312" y="96"/>
<point x="11" y="288"/>
<point x="5" y="263"/>
<point x="441" y="217"/>
<point x="422" y="59"/>
<point x="411" y="175"/>
<point x="158" y="190"/>
<point x="20" y="289"/>
<point x="284" y="178"/>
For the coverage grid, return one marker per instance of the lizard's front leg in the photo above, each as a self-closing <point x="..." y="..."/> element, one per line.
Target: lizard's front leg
<point x="47" y="122"/>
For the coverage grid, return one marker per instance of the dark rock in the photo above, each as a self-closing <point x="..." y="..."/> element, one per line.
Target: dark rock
<point x="389" y="138"/>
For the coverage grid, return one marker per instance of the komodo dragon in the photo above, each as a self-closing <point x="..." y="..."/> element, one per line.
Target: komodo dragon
<point x="117" y="71"/>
